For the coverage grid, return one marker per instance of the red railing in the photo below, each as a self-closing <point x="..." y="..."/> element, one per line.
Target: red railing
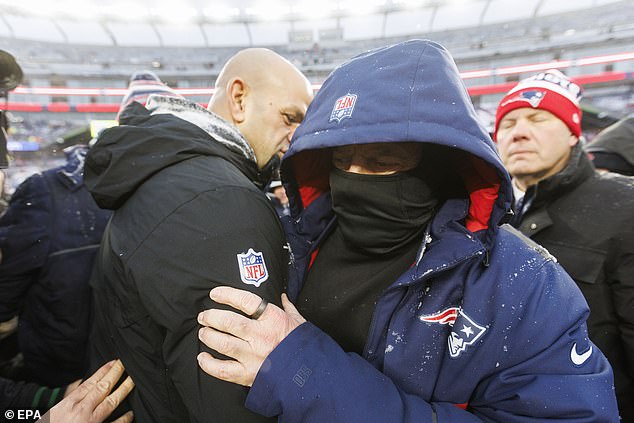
<point x="63" y="107"/>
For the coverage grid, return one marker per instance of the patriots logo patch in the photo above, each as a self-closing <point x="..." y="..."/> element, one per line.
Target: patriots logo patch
<point x="344" y="106"/>
<point x="252" y="268"/>
<point x="446" y="317"/>
<point x="464" y="331"/>
<point x="533" y="97"/>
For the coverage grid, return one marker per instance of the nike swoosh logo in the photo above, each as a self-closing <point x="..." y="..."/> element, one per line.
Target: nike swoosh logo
<point x="579" y="359"/>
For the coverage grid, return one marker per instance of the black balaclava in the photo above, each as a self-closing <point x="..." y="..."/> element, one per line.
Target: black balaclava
<point x="380" y="225"/>
<point x="380" y="213"/>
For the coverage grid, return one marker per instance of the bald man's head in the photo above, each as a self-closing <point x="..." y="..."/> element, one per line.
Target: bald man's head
<point x="265" y="96"/>
<point x="256" y="66"/>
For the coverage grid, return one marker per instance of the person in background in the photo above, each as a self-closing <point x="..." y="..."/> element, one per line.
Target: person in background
<point x="142" y="84"/>
<point x="186" y="186"/>
<point x="582" y="217"/>
<point x="277" y="195"/>
<point x="48" y="239"/>
<point x="412" y="303"/>
<point x="613" y="149"/>
<point x="49" y="236"/>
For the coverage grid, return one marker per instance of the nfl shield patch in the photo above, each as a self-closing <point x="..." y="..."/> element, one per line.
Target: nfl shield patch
<point x="343" y="107"/>
<point x="252" y="268"/>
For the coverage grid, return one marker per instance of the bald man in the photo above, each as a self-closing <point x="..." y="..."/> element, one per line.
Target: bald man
<point x="189" y="215"/>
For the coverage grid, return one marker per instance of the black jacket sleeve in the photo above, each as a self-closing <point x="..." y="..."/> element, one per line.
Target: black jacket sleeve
<point x="226" y="237"/>
<point x="621" y="280"/>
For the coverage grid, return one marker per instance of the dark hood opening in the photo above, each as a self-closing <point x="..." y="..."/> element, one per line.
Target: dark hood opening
<point x="460" y="175"/>
<point x="408" y="92"/>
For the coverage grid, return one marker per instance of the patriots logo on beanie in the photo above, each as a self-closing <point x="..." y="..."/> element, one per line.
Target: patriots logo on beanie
<point x="551" y="91"/>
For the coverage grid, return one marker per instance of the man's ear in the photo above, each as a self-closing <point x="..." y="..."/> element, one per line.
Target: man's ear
<point x="573" y="140"/>
<point x="236" y="95"/>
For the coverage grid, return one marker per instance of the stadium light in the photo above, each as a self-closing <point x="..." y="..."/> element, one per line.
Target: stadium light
<point x="409" y="4"/>
<point x="268" y="11"/>
<point x="126" y="12"/>
<point x="221" y="13"/>
<point x="77" y="9"/>
<point x="361" y="7"/>
<point x="313" y="10"/>
<point x="171" y="13"/>
<point x="40" y="8"/>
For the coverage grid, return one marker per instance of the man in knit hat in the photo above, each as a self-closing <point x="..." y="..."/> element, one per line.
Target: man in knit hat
<point x="142" y="85"/>
<point x="582" y="217"/>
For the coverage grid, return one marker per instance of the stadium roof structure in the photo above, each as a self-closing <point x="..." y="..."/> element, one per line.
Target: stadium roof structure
<point x="238" y="23"/>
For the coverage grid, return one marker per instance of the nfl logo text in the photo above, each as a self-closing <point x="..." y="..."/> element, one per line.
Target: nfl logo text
<point x="252" y="268"/>
<point x="343" y="107"/>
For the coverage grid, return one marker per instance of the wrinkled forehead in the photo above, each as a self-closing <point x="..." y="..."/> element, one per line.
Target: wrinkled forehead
<point x="292" y="100"/>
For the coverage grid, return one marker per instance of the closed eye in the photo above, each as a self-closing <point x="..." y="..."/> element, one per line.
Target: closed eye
<point x="506" y="124"/>
<point x="292" y="118"/>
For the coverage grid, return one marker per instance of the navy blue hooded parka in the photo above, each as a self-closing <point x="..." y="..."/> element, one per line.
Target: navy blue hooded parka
<point x="484" y="326"/>
<point x="49" y="236"/>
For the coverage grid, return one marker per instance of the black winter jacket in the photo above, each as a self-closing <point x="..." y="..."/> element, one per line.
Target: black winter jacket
<point x="188" y="217"/>
<point x="586" y="220"/>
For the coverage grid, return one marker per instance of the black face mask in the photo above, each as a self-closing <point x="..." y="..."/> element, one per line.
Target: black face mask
<point x="381" y="213"/>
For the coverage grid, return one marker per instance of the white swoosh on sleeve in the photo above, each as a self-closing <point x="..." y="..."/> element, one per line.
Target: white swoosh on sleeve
<point x="579" y="359"/>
